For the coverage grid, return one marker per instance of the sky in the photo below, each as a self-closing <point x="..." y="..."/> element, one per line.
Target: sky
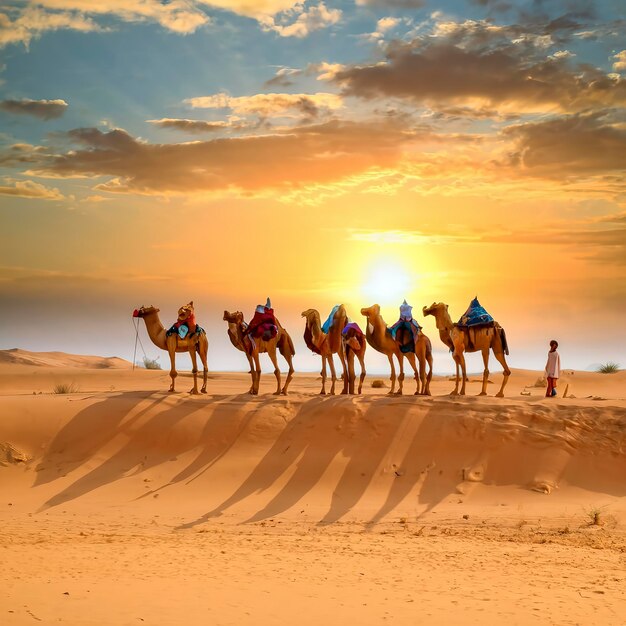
<point x="348" y="151"/>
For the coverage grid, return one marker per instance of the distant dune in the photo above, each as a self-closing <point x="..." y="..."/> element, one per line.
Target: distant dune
<point x="61" y="359"/>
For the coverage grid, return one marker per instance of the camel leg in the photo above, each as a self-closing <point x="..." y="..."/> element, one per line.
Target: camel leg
<point x="271" y="352"/>
<point x="401" y="375"/>
<point x="289" y="374"/>
<point x="252" y="373"/>
<point x="171" y="349"/>
<point x="344" y="369"/>
<point x="410" y="357"/>
<point x="393" y="375"/>
<point x="351" y="374"/>
<point x="362" y="377"/>
<point x="485" y="372"/>
<point x="463" y="373"/>
<point x="507" y="373"/>
<point x="194" y="370"/>
<point x="323" y="375"/>
<point x="205" y="374"/>
<point x="256" y="374"/>
<point x="333" y="373"/>
<point x="429" y="376"/>
<point x="457" y="364"/>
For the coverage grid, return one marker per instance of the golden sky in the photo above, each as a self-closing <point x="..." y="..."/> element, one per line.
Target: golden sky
<point x="318" y="153"/>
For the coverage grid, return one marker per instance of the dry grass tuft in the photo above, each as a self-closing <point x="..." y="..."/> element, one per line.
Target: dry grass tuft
<point x="378" y="383"/>
<point x="63" y="388"/>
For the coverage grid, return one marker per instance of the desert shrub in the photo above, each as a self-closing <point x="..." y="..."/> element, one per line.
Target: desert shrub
<point x="378" y="383"/>
<point x="151" y="364"/>
<point x="63" y="388"/>
<point x="609" y="368"/>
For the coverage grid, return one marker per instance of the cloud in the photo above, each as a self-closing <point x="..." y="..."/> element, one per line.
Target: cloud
<point x="569" y="146"/>
<point x="179" y="16"/>
<point x="307" y="21"/>
<point x="392" y="4"/>
<point x="303" y="155"/>
<point x="253" y="8"/>
<point x="283" y="77"/>
<point x="270" y="104"/>
<point x="442" y="73"/>
<point x="32" y="22"/>
<point x="190" y="126"/>
<point x="620" y="61"/>
<point x="30" y="189"/>
<point x="44" y="109"/>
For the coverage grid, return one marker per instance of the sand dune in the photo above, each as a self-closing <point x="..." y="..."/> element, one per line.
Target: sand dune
<point x="233" y="499"/>
<point x="61" y="359"/>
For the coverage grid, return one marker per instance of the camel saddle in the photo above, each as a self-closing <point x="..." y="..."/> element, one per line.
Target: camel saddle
<point x="476" y="315"/>
<point x="405" y="332"/>
<point x="262" y="325"/>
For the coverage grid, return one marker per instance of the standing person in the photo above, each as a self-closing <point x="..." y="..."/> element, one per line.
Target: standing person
<point x="553" y="369"/>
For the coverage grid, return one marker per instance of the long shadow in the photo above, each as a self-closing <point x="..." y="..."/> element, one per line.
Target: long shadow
<point x="156" y="432"/>
<point x="379" y="427"/>
<point x="91" y="430"/>
<point x="310" y="441"/>
<point x="221" y="431"/>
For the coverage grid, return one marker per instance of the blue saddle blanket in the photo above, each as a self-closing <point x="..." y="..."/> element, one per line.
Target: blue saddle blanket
<point x="329" y="322"/>
<point x="412" y="326"/>
<point x="183" y="330"/>
<point x="475" y="315"/>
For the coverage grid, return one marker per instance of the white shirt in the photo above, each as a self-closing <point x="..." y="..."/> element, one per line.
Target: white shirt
<point x="553" y="366"/>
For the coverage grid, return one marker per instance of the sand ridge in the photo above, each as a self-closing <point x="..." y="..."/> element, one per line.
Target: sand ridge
<point x="354" y="508"/>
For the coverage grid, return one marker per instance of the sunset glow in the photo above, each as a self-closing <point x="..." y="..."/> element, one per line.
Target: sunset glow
<point x="316" y="152"/>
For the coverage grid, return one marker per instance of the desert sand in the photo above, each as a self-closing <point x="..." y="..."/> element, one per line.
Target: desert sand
<point x="123" y="504"/>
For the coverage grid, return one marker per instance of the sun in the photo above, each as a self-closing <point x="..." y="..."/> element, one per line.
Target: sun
<point x="386" y="283"/>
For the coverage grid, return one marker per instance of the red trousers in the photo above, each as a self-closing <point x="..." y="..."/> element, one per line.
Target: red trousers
<point x="551" y="385"/>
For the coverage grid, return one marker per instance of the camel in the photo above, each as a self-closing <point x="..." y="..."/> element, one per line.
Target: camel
<point x="380" y="339"/>
<point x="327" y="344"/>
<point x="354" y="345"/>
<point x="196" y="343"/>
<point x="252" y="348"/>
<point x="461" y="339"/>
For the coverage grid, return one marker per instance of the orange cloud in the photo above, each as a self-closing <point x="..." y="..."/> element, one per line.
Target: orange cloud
<point x="569" y="146"/>
<point x="307" y="21"/>
<point x="44" y="109"/>
<point x="442" y="73"/>
<point x="32" y="22"/>
<point x="190" y="126"/>
<point x="270" y="104"/>
<point x="30" y="189"/>
<point x="299" y="156"/>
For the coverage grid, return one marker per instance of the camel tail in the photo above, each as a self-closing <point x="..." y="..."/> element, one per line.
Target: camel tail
<point x="505" y="344"/>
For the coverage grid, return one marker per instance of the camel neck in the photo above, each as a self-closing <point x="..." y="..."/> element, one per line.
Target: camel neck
<point x="155" y="329"/>
<point x="236" y="330"/>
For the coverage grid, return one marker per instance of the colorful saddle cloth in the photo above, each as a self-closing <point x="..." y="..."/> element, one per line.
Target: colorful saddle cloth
<point x="329" y="322"/>
<point x="263" y="325"/>
<point x="182" y="330"/>
<point x="475" y="315"/>
<point x="408" y="338"/>
<point x="352" y="328"/>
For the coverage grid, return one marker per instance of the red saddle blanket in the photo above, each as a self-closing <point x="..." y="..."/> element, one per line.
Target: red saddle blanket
<point x="263" y="325"/>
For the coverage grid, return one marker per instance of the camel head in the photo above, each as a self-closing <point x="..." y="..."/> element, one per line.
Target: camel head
<point x="434" y="309"/>
<point x="143" y="311"/>
<point x="309" y="313"/>
<point x="233" y="318"/>
<point x="372" y="311"/>
<point x="185" y="312"/>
